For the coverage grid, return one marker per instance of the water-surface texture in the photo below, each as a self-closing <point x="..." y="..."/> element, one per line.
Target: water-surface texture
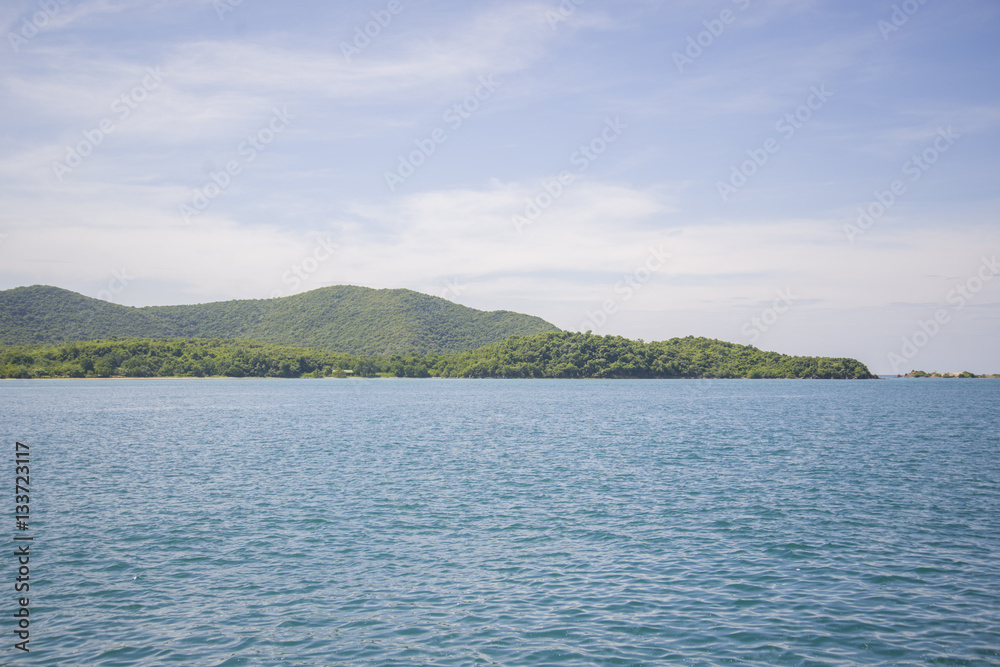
<point x="397" y="522"/>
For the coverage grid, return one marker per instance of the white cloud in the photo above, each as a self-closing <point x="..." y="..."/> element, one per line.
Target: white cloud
<point x="325" y="176"/>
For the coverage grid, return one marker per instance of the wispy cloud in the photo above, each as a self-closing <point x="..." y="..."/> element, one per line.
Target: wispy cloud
<point x="323" y="177"/>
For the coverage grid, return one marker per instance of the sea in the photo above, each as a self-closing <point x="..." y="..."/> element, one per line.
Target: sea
<point x="235" y="522"/>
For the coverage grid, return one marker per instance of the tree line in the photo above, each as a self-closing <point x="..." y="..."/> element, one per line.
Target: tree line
<point x="546" y="355"/>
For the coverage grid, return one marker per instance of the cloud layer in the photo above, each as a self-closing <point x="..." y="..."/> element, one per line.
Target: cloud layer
<point x="515" y="194"/>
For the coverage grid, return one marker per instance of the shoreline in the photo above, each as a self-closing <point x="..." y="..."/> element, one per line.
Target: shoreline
<point x="433" y="377"/>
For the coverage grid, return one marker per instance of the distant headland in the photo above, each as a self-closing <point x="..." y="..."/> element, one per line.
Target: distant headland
<point x="349" y="331"/>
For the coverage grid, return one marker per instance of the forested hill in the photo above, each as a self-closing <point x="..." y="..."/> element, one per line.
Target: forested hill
<point x="345" y="319"/>
<point x="578" y="355"/>
<point x="552" y="355"/>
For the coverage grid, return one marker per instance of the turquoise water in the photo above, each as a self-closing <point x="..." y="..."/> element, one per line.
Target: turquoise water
<point x="451" y="522"/>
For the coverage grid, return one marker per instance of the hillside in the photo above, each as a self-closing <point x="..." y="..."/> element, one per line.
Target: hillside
<point x="577" y="355"/>
<point x="344" y="319"/>
<point x="548" y="355"/>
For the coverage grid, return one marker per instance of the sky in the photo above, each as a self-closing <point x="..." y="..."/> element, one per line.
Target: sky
<point x="813" y="177"/>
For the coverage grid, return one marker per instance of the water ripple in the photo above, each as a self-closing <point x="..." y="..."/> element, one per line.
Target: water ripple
<point x="245" y="522"/>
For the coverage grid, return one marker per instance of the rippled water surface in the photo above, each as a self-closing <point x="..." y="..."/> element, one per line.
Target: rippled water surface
<point x="451" y="522"/>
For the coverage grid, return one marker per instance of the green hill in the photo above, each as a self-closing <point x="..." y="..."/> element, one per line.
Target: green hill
<point x="334" y="329"/>
<point x="548" y="355"/>
<point x="345" y="319"/>
<point x="577" y="355"/>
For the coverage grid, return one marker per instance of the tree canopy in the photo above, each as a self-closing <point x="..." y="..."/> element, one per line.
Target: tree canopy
<point x="546" y="355"/>
<point x="346" y="319"/>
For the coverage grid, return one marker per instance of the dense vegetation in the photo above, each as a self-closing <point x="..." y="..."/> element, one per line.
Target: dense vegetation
<point x="549" y="355"/>
<point x="577" y="355"/>
<point x="346" y="319"/>
<point x="197" y="357"/>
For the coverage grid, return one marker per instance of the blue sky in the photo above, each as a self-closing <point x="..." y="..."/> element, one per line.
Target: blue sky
<point x="641" y="168"/>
